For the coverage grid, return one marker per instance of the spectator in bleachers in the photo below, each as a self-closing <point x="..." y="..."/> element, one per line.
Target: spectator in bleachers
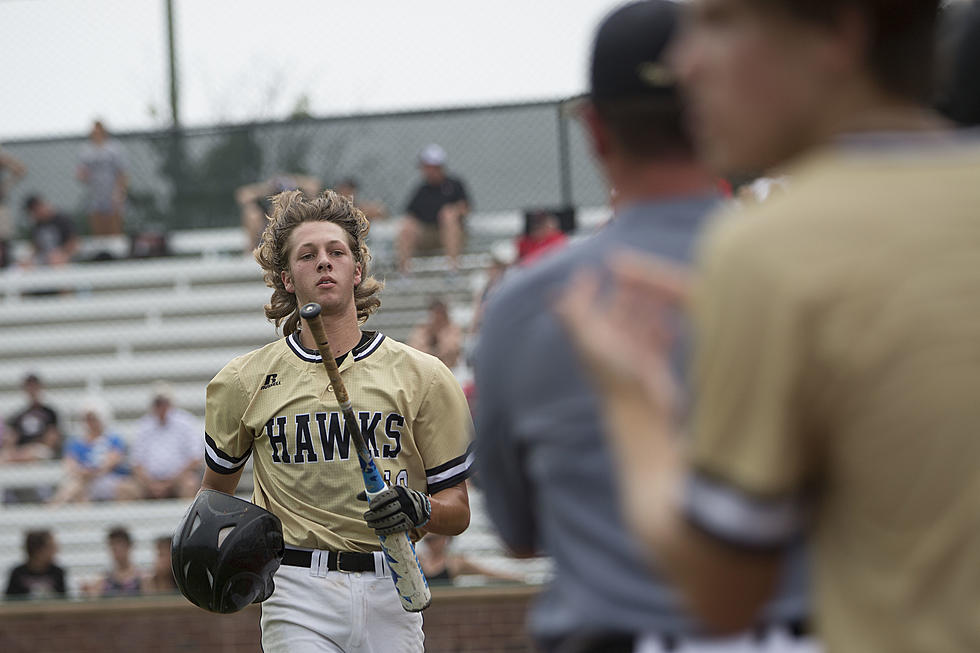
<point x="439" y="335"/>
<point x="33" y="433"/>
<point x="160" y="580"/>
<point x="124" y="578"/>
<point x="11" y="171"/>
<point x="95" y="463"/>
<point x="253" y="202"/>
<point x="372" y="210"/>
<point x="53" y="237"/>
<point x="39" y="577"/>
<point x="438" y="205"/>
<point x="168" y="449"/>
<point x="543" y="235"/>
<point x="102" y="169"/>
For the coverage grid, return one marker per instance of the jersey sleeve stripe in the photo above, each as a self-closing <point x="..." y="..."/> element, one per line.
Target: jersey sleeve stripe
<point x="745" y="521"/>
<point x="221" y="462"/>
<point x="451" y="475"/>
<point x="458" y="460"/>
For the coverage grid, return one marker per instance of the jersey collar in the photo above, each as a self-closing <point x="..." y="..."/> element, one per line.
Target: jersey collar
<point x="369" y="343"/>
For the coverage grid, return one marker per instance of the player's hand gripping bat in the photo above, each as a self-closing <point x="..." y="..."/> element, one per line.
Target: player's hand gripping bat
<point x="406" y="572"/>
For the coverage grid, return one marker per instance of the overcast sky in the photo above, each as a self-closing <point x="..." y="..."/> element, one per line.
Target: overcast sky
<point x="66" y="62"/>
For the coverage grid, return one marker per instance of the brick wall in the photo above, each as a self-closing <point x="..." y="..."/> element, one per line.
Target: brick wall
<point x="460" y="620"/>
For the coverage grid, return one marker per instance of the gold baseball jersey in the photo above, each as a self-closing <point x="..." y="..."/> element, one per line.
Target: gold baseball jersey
<point x="837" y="384"/>
<point x="275" y="405"/>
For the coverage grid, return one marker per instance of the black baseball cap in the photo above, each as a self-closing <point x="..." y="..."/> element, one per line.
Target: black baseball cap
<point x="629" y="54"/>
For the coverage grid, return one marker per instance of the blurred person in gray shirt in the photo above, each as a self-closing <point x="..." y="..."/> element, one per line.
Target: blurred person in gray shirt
<point x="102" y="169"/>
<point x="543" y="463"/>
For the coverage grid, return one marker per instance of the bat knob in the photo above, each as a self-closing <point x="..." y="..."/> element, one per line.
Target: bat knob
<point x="310" y="311"/>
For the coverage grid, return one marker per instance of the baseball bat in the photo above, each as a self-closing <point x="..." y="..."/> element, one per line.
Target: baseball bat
<point x="406" y="572"/>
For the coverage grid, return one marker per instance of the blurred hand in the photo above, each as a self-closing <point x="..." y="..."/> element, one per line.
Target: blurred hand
<point x="623" y="337"/>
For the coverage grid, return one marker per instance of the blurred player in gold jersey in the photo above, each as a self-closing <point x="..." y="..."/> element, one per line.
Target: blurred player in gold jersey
<point x="334" y="591"/>
<point x="837" y="334"/>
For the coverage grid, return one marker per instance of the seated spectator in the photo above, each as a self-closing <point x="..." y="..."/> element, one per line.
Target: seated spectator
<point x="11" y="171"/>
<point x="39" y="577"/>
<point x="372" y="210"/>
<point x="33" y="433"/>
<point x="441" y="566"/>
<point x="160" y="580"/>
<point x="95" y="463"/>
<point x="438" y="335"/>
<point x="253" y="202"/>
<point x="544" y="235"/>
<point x="168" y="449"/>
<point x="124" y="578"/>
<point x="53" y="237"/>
<point x="439" y="204"/>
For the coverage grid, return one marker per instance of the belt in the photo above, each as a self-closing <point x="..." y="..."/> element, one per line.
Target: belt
<point x="345" y="561"/>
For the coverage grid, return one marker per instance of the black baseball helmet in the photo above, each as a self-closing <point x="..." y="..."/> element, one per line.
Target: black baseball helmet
<point x="225" y="552"/>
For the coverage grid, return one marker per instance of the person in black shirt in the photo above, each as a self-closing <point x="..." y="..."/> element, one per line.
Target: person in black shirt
<point x="34" y="433"/>
<point x="39" y="577"/>
<point x="53" y="236"/>
<point x="438" y="204"/>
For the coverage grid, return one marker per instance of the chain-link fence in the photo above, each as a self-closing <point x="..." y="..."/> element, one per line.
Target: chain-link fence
<point x="511" y="157"/>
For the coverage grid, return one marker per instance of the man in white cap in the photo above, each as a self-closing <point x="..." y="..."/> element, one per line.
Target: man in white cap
<point x="439" y="204"/>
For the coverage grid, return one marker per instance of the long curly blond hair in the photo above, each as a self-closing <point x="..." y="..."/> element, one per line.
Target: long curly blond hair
<point x="289" y="210"/>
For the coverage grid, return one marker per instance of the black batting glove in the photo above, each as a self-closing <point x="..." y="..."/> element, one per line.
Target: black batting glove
<point x="396" y="510"/>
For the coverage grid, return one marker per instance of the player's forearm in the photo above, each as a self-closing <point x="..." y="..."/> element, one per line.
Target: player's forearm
<point x="450" y="511"/>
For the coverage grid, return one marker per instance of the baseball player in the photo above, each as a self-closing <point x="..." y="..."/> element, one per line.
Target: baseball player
<point x="333" y="590"/>
<point x="548" y="476"/>
<point x="837" y="349"/>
